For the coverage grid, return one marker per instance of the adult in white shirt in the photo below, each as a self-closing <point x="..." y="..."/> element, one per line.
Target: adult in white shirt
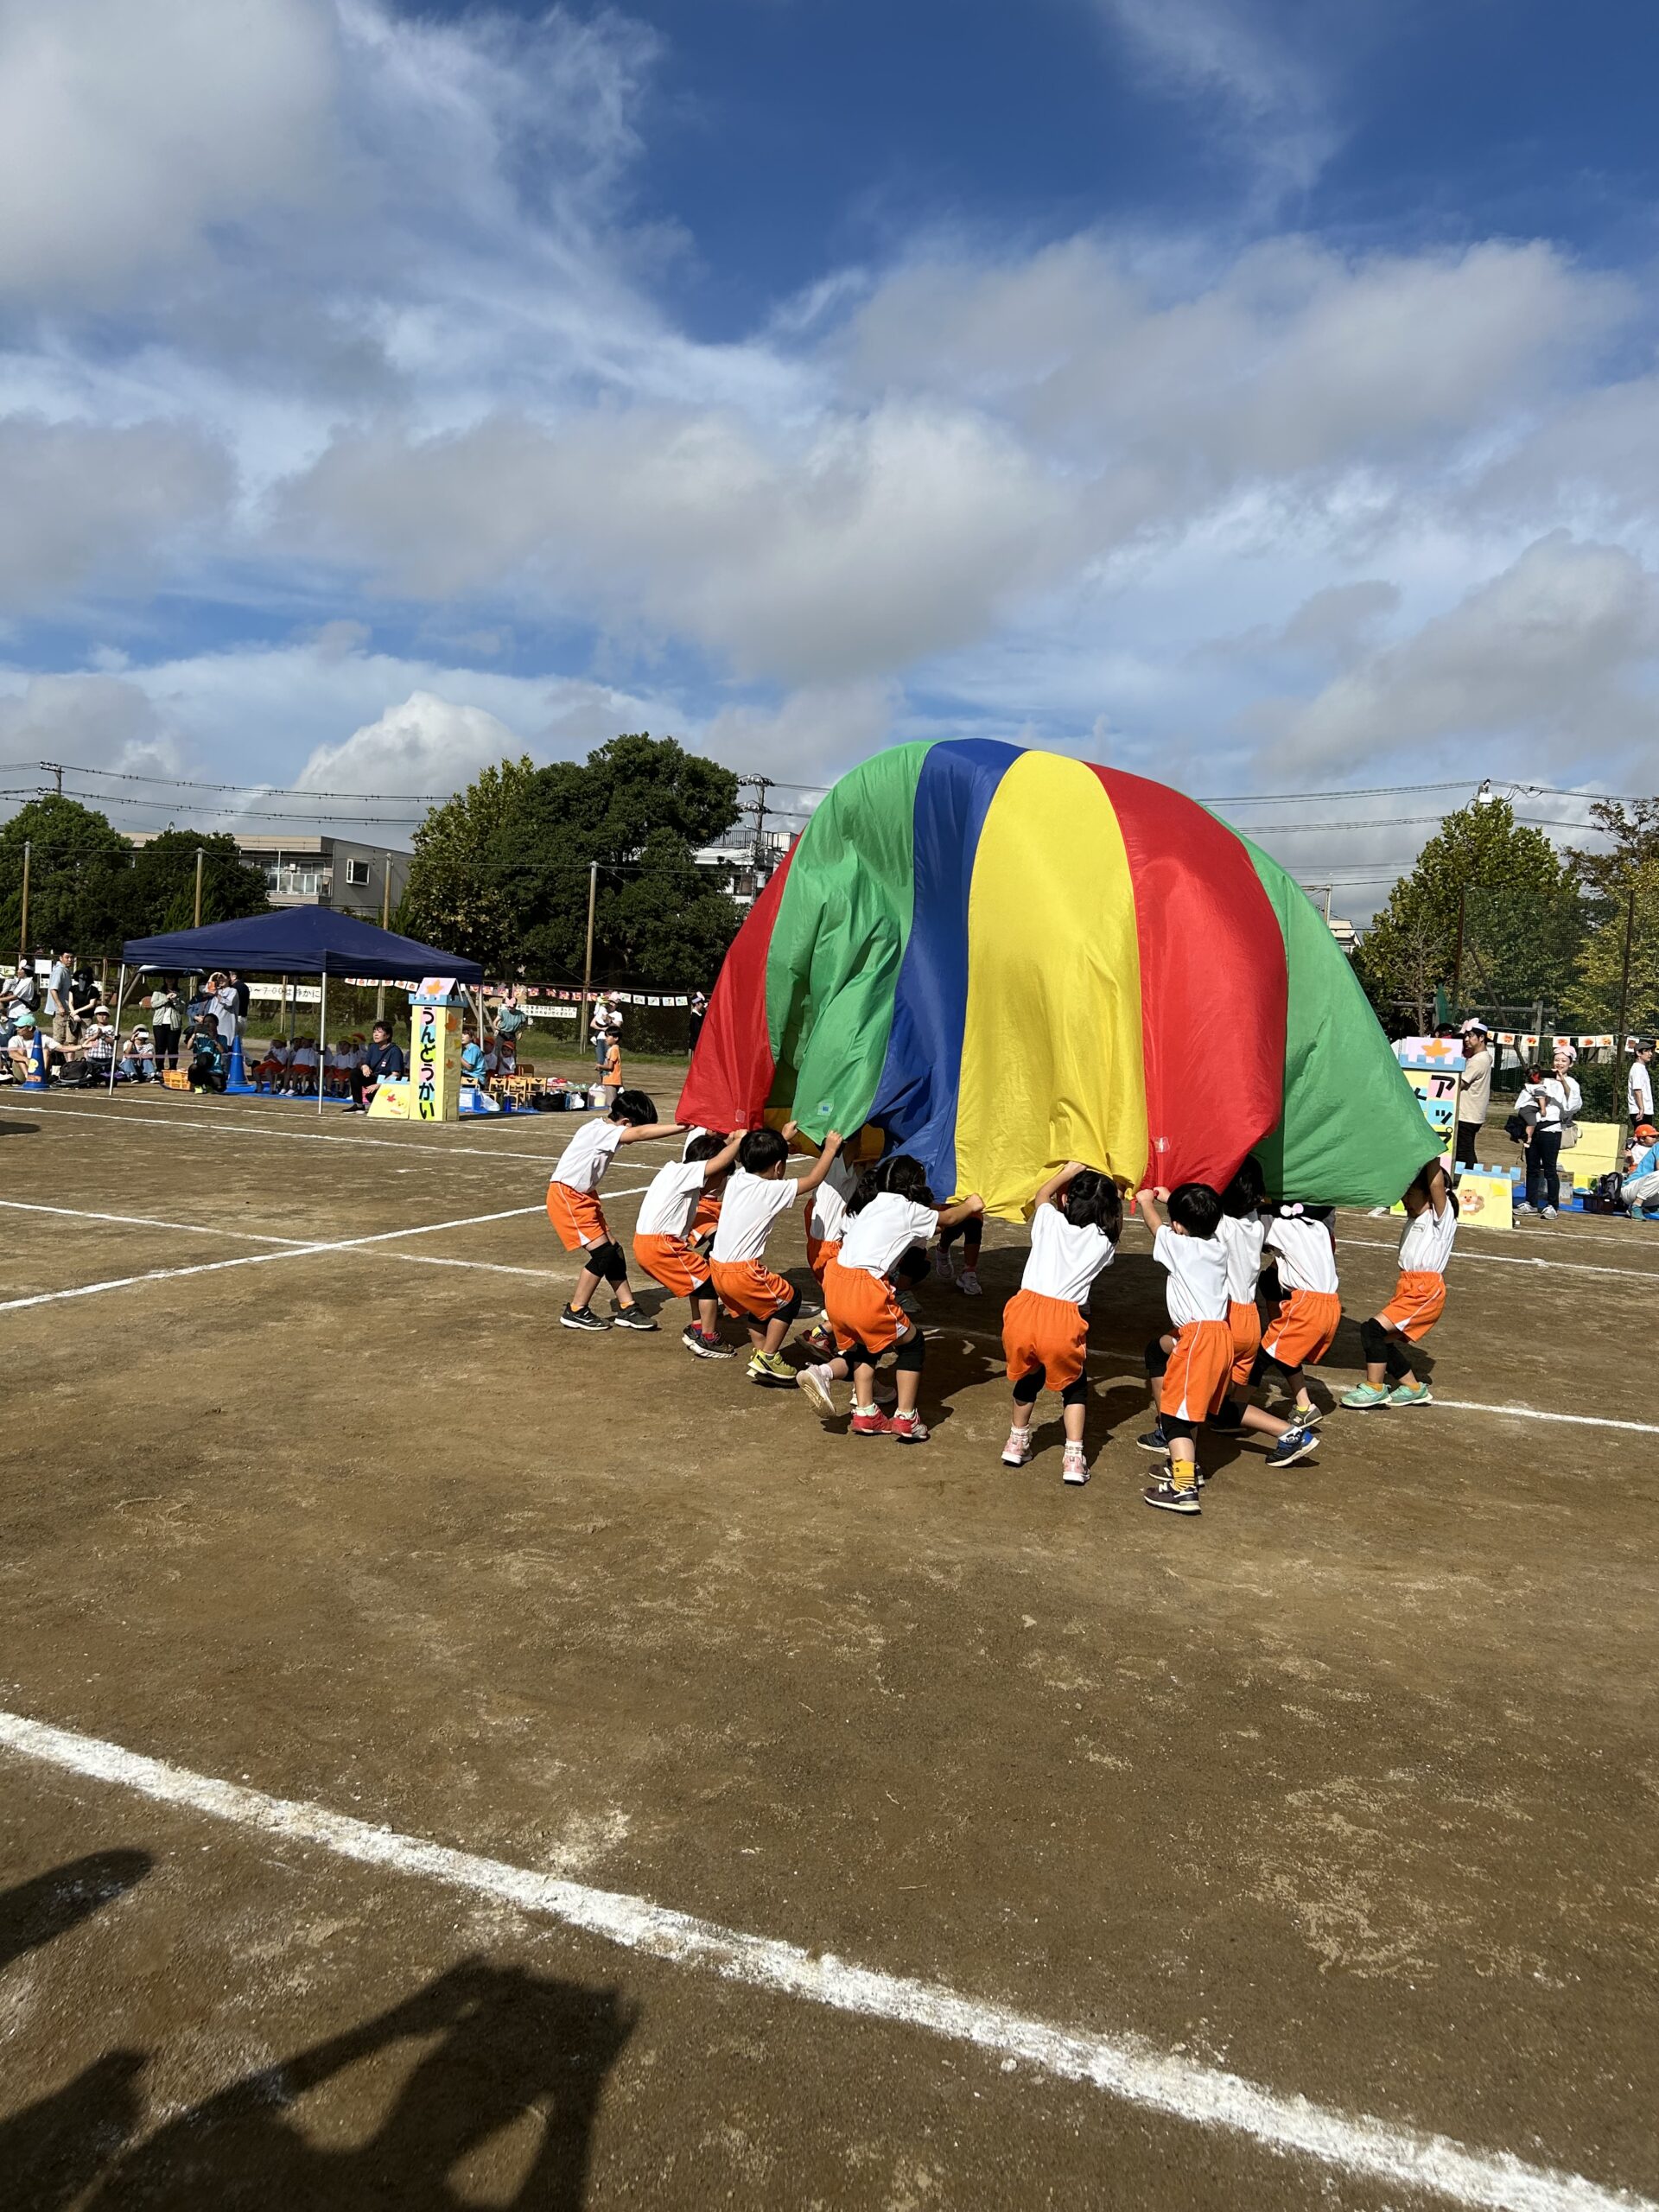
<point x="1639" y="1084"/>
<point x="1474" y="1091"/>
<point x="1557" y="1098"/>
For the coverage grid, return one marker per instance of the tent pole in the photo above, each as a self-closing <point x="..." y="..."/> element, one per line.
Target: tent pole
<point x="120" y="999"/>
<point x="322" y="1039"/>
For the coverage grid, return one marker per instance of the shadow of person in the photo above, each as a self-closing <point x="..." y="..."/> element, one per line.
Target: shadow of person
<point x="37" y="1912"/>
<point x="510" y="2045"/>
<point x="54" y="2148"/>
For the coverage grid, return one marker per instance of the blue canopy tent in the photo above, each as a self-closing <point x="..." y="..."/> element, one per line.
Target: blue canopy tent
<point x="295" y="941"/>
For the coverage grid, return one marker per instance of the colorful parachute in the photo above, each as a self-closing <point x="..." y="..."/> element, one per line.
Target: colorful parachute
<point x="1006" y="959"/>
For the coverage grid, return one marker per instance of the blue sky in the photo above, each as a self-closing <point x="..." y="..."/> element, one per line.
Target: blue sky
<point x="1261" y="395"/>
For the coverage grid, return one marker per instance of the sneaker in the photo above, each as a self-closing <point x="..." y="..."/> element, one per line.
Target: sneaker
<point x="1305" y="1416"/>
<point x="1155" y="1440"/>
<point x="1547" y="1213"/>
<point x="1522" y="1206"/>
<point x="703" y="1343"/>
<point x="820" y="1341"/>
<point x="1411" y="1394"/>
<point x="906" y="1428"/>
<point x="1074" y="1468"/>
<point x="586" y="1319"/>
<point x="770" y="1367"/>
<point x="1165" y="1493"/>
<point x="907" y="1303"/>
<point x="867" y="1421"/>
<point x="970" y="1284"/>
<point x="941" y="1263"/>
<point x="1017" y="1450"/>
<point x="814" y="1383"/>
<point x="1295" y="1444"/>
<point x="632" y="1317"/>
<point x="1362" y="1397"/>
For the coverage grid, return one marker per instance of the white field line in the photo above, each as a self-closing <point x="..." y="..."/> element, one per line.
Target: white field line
<point x="1463" y="1257"/>
<point x="258" y="1259"/>
<point x="148" y="1221"/>
<point x="208" y="1123"/>
<point x="1123" y="2065"/>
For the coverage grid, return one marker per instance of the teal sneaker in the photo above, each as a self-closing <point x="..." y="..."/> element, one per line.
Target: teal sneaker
<point x="1361" y="1397"/>
<point x="1411" y="1394"/>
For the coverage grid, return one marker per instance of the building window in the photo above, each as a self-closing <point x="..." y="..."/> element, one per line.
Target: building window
<point x="357" y="871"/>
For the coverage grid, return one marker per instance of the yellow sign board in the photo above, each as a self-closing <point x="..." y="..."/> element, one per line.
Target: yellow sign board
<point x="390" y="1102"/>
<point x="433" y="1062"/>
<point x="1487" y="1200"/>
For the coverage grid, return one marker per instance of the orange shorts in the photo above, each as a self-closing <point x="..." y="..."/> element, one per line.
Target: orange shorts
<point x="578" y="1217"/>
<point x="679" y="1268"/>
<point x="707" y="1216"/>
<point x="1200" y="1368"/>
<point x="862" y="1308"/>
<point x="749" y="1289"/>
<point x="1245" y="1322"/>
<point x="1049" y="1333"/>
<point x="820" y="1250"/>
<point x="1418" y="1302"/>
<point x="1303" y="1328"/>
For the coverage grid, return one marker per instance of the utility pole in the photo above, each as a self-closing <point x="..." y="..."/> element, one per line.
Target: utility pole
<point x="760" y="786"/>
<point x="199" y="859"/>
<point x="588" y="961"/>
<point x="385" y="917"/>
<point x="1620" y="1056"/>
<point x="22" y="920"/>
<point x="53" y="769"/>
<point x="1457" y="964"/>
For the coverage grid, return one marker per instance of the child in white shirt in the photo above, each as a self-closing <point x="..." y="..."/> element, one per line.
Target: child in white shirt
<point x="1419" y="1297"/>
<point x="1076" y="1222"/>
<point x="757" y="1192"/>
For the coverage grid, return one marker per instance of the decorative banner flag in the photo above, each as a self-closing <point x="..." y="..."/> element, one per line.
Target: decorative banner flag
<point x="1004" y="959"/>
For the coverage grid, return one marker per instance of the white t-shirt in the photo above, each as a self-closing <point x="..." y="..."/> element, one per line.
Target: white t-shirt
<point x="750" y="1207"/>
<point x="1307" y="1258"/>
<point x="1639" y="1091"/>
<point x="279" y="1053"/>
<point x="826" y="1217"/>
<point x="889" y="1225"/>
<point x="1065" y="1258"/>
<point x="1557" y="1097"/>
<point x="590" y="1153"/>
<point x="668" y="1206"/>
<point x="304" y="1056"/>
<point x="1426" y="1245"/>
<point x="1241" y="1241"/>
<point x="1196" y="1290"/>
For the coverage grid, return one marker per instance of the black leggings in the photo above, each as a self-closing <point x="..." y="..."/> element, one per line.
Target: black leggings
<point x="1387" y="1346"/>
<point x="166" y="1048"/>
<point x="1543" y="1168"/>
<point x="1028" y="1388"/>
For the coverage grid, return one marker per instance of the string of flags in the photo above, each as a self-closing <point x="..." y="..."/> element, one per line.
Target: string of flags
<point x="1605" y="1042"/>
<point x="541" y="993"/>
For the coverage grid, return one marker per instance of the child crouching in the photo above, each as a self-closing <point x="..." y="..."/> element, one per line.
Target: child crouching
<point x="1076" y="1220"/>
<point x="1194" y="1367"/>
<point x="891" y="1210"/>
<point x="1419" y="1297"/>
<point x="662" y="1242"/>
<point x="757" y="1192"/>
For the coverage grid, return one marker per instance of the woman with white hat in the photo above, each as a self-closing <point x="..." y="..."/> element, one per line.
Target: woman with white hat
<point x="1558" y="1099"/>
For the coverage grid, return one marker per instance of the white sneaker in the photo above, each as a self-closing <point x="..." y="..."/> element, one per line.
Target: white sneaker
<point x="1017" y="1450"/>
<point x="970" y="1284"/>
<point x="1547" y="1213"/>
<point x="814" y="1383"/>
<point x="1074" y="1468"/>
<point x="941" y="1263"/>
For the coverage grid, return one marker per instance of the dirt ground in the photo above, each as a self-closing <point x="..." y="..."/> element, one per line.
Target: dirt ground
<point x="1348" y="1789"/>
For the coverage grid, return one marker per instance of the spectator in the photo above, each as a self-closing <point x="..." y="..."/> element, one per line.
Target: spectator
<point x="242" y="996"/>
<point x="272" y="1074"/>
<point x="26" y="1049"/>
<point x="57" y="1000"/>
<point x="84" y="995"/>
<point x="166" y="1015"/>
<point x="138" y="1057"/>
<point x="209" y="1059"/>
<point x="382" y="1062"/>
<point x="473" y="1069"/>
<point x="1474" y="1091"/>
<point x="304" y="1068"/>
<point x="606" y="1018"/>
<point x="694" y="1022"/>
<point x="1638" y="1086"/>
<point x="97" y="1049"/>
<point x="610" y="1073"/>
<point x="1640" y="1188"/>
<point x="510" y="1018"/>
<point x="22" y="992"/>
<point x="340" y="1064"/>
<point x="1557" y="1099"/>
<point x="225" y="1008"/>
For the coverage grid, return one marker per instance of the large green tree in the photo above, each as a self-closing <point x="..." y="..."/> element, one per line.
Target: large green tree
<point x="77" y="861"/>
<point x="450" y="899"/>
<point x="1622" y="894"/>
<point x="1515" y="901"/>
<point x="158" y="891"/>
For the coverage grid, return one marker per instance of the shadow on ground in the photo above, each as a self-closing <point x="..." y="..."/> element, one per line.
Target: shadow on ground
<point x="507" y="2050"/>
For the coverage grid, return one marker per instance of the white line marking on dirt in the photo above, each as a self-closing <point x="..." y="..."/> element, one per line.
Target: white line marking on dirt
<point x="1537" y="1412"/>
<point x="148" y="1221"/>
<point x="1464" y="1257"/>
<point x="1123" y="2066"/>
<point x="259" y="1259"/>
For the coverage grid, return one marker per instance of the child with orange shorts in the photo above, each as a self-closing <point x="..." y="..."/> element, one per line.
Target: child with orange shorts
<point x="1077" y="1219"/>
<point x="1304" y="1244"/>
<point x="662" y="1241"/>
<point x="891" y="1210"/>
<point x="757" y="1192"/>
<point x="573" y="1208"/>
<point x="1419" y="1299"/>
<point x="1242" y="1233"/>
<point x="1192" y="1367"/>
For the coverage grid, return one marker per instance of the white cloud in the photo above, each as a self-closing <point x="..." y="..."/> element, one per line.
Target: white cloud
<point x="1561" y="650"/>
<point x="97" y="722"/>
<point x="128" y="133"/>
<point x="426" y="744"/>
<point x="80" y="503"/>
<point x="815" y="734"/>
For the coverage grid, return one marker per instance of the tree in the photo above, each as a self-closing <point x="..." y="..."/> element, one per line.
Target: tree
<point x="76" y="862"/>
<point x="1521" y="914"/>
<point x="1622" y="897"/>
<point x="450" y="899"/>
<point x="641" y="806"/>
<point x="158" y="891"/>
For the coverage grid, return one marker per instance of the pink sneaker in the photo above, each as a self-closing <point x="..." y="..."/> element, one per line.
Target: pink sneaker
<point x="1074" y="1468"/>
<point x="867" y="1422"/>
<point x="905" y="1428"/>
<point x="813" y="1383"/>
<point x="1017" y="1450"/>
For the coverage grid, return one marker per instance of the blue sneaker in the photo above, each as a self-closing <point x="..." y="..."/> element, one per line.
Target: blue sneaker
<point x="1295" y="1444"/>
